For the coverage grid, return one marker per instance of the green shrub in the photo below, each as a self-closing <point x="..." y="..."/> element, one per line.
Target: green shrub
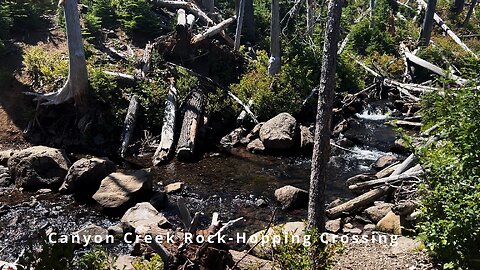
<point x="47" y="70"/>
<point x="155" y="263"/>
<point x="137" y="16"/>
<point x="451" y="190"/>
<point x="97" y="259"/>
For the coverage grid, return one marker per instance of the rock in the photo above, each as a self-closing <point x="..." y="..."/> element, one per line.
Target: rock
<point x="124" y="262"/>
<point x="5" y="156"/>
<point x="405" y="245"/>
<point x="254" y="133"/>
<point x="377" y="212"/>
<point x="390" y="224"/>
<point x="260" y="203"/>
<point x="85" y="175"/>
<point x="158" y="199"/>
<point x="233" y="138"/>
<point x="264" y="249"/>
<point x="278" y="133"/>
<point x="353" y="230"/>
<point x="250" y="261"/>
<point x="334" y="203"/>
<point x="291" y="197"/>
<point x="5" y="179"/>
<point x="256" y="146"/>
<point x="384" y="161"/>
<point x="333" y="226"/>
<point x="369" y="227"/>
<point x="344" y="142"/>
<point x="39" y="167"/>
<point x="95" y="233"/>
<point x="44" y="191"/>
<point x="339" y="128"/>
<point x="404" y="208"/>
<point x="119" y="188"/>
<point x="306" y="138"/>
<point x="116" y="230"/>
<point x="399" y="146"/>
<point x="144" y="217"/>
<point x="174" y="187"/>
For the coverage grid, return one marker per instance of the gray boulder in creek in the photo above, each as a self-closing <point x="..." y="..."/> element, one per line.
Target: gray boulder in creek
<point x="118" y="188"/>
<point x="85" y="175"/>
<point x="39" y="167"/>
<point x="278" y="133"/>
<point x="291" y="197"/>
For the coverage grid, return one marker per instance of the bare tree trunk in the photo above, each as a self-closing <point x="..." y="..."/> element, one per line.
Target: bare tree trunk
<point x="470" y="11"/>
<point x="427" y="26"/>
<point x="77" y="83"/>
<point x="321" y="148"/>
<point x="168" y="129"/>
<point x="457" y="7"/>
<point x="249" y="20"/>
<point x="310" y="17"/>
<point x="238" y="32"/>
<point x="192" y="120"/>
<point x="129" y="124"/>
<point x="274" y="64"/>
<point x="372" y="12"/>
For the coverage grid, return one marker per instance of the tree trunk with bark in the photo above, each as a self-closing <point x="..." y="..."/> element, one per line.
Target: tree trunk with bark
<point x="470" y="11"/>
<point x="274" y="64"/>
<point x="77" y="83"/>
<point x="427" y="26"/>
<point x="457" y="7"/>
<point x="238" y="31"/>
<point x="192" y="120"/>
<point x="310" y="17"/>
<point x="168" y="129"/>
<point x="249" y="21"/>
<point x="372" y="13"/>
<point x="321" y="149"/>
<point x="129" y="124"/>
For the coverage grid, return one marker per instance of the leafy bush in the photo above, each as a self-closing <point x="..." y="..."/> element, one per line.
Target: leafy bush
<point x="451" y="188"/>
<point x="155" y="263"/>
<point x="97" y="259"/>
<point x="47" y="70"/>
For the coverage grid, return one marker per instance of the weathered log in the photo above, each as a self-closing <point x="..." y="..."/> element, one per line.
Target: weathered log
<point x="388" y="170"/>
<point x="192" y="121"/>
<point x="212" y="30"/>
<point x="355" y="203"/>
<point x="238" y="30"/>
<point x="129" y="124"/>
<point x="168" y="129"/>
<point x="190" y="21"/>
<point x="194" y="9"/>
<point x="243" y="113"/>
<point x="408" y="124"/>
<point x="447" y="30"/>
<point x="275" y="63"/>
<point x="384" y="181"/>
<point x="435" y="69"/>
<point x="406" y="164"/>
<point x="181" y="19"/>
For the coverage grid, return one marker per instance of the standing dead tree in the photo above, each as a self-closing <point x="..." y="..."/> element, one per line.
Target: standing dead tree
<point x="274" y="63"/>
<point x="321" y="148"/>
<point x="457" y="7"/>
<point x="238" y="32"/>
<point x="470" y="11"/>
<point x="129" y="124"/>
<point x="426" y="31"/>
<point x="76" y="86"/>
<point x="168" y="129"/>
<point x="310" y="17"/>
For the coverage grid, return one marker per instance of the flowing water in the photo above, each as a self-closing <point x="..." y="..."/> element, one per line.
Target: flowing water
<point x="229" y="183"/>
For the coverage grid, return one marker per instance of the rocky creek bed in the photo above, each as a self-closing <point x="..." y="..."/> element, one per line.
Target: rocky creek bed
<point x="233" y="182"/>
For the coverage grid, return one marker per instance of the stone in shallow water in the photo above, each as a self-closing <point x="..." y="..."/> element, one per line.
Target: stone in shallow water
<point x="174" y="187"/>
<point x="292" y="197"/>
<point x="119" y="188"/>
<point x="278" y="133"/>
<point x="5" y="179"/>
<point x="39" y="167"/>
<point x="92" y="234"/>
<point x="144" y="215"/>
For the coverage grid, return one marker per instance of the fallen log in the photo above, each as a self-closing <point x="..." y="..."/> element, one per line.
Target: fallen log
<point x="447" y="30"/>
<point x="129" y="124"/>
<point x="355" y="203"/>
<point x="434" y="68"/>
<point x="384" y="181"/>
<point x="408" y="124"/>
<point x="168" y="129"/>
<point x="212" y="30"/>
<point x="192" y="121"/>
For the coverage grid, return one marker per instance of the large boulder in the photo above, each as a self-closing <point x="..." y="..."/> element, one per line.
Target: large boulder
<point x="85" y="175"/>
<point x="256" y="146"/>
<point x="390" y="224"/>
<point x="278" y="133"/>
<point x="292" y="197"/>
<point x="92" y="232"/>
<point x="377" y="212"/>
<point x="119" y="188"/>
<point x="233" y="138"/>
<point x="143" y="217"/>
<point x="384" y="161"/>
<point x="39" y="167"/>
<point x="306" y="138"/>
<point x="248" y="262"/>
